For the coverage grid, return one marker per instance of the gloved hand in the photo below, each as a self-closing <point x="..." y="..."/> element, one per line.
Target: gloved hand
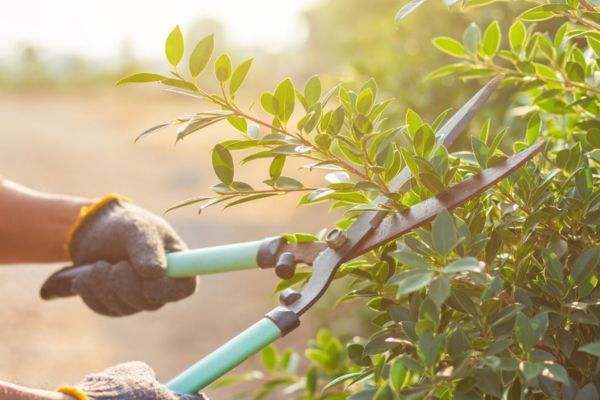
<point x="129" y="381"/>
<point x="127" y="245"/>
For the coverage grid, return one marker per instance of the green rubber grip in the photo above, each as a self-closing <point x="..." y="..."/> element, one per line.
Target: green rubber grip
<point x="226" y="357"/>
<point x="230" y="257"/>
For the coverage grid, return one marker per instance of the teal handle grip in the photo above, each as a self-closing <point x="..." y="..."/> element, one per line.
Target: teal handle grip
<point x="226" y="357"/>
<point x="231" y="257"/>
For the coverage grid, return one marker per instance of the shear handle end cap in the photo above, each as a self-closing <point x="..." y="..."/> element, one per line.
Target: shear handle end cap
<point x="59" y="284"/>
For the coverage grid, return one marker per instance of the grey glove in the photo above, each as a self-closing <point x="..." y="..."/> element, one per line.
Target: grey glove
<point x="127" y="246"/>
<point x="129" y="381"/>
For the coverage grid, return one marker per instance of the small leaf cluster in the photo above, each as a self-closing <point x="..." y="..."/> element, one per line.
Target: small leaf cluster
<point x="556" y="72"/>
<point x="341" y="131"/>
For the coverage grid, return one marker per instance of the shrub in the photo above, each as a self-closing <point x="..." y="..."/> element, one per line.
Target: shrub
<point x="499" y="299"/>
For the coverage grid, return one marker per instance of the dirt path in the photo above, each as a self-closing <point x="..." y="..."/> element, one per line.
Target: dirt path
<point x="82" y="144"/>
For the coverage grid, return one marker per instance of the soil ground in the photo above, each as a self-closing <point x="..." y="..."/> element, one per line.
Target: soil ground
<point x="82" y="144"/>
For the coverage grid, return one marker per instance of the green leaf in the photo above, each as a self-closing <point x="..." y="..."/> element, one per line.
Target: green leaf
<point x="413" y="121"/>
<point x="593" y="137"/>
<point x="310" y="382"/>
<point x="409" y="160"/>
<point x="323" y="141"/>
<point x="141" y="78"/>
<point x="364" y="101"/>
<point x="413" y="282"/>
<point x="286" y="98"/>
<point x="424" y="140"/>
<point x="223" y="164"/>
<point x="553" y="264"/>
<point x="223" y="68"/>
<point x="542" y="13"/>
<point x="239" y="75"/>
<point x="585" y="265"/>
<point x="151" y="130"/>
<point x="174" y="46"/>
<point x="355" y="352"/>
<point x="340" y="379"/>
<point x="539" y="325"/>
<point x="449" y="46"/>
<point x="444" y="233"/>
<point x="439" y="290"/>
<point x="530" y="370"/>
<point x="336" y="121"/>
<point x="178" y="83"/>
<point x="432" y="182"/>
<point x="481" y="151"/>
<point x="491" y="39"/>
<point x="238" y="123"/>
<point x="447" y="70"/>
<point x="431" y="347"/>
<point x="471" y="38"/>
<point x="465" y="264"/>
<point x="485" y="131"/>
<point x="269" y="358"/>
<point x="591" y="348"/>
<point x="187" y="202"/>
<point x="556" y="372"/>
<point x="523" y="332"/>
<point x="312" y="90"/>
<point x="267" y="101"/>
<point x="409" y="7"/>
<point x="517" y="35"/>
<point x="534" y="128"/>
<point x="411" y="259"/>
<point x="277" y="166"/>
<point x="201" y="55"/>
<point x="398" y="376"/>
<point x="285" y="182"/>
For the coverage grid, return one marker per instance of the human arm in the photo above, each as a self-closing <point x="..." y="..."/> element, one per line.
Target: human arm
<point x="34" y="225"/>
<point x="16" y="392"/>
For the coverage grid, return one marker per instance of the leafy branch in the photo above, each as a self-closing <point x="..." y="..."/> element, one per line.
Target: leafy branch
<point x="349" y="138"/>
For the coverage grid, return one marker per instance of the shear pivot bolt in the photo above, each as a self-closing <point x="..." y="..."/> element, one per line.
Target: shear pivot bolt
<point x="289" y="296"/>
<point x="286" y="266"/>
<point x="336" y="238"/>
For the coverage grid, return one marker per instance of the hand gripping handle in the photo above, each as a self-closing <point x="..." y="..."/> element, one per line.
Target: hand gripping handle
<point x="209" y="260"/>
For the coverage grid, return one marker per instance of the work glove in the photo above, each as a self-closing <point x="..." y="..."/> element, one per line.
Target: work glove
<point x="127" y="246"/>
<point x="128" y="381"/>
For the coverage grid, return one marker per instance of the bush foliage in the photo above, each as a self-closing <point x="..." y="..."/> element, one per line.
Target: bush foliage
<point x="499" y="299"/>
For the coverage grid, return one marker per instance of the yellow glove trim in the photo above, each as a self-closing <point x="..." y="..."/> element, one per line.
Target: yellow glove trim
<point x="86" y="211"/>
<point x="73" y="391"/>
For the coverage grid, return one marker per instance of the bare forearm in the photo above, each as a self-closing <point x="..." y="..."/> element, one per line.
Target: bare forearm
<point x="34" y="225"/>
<point x="15" y="392"/>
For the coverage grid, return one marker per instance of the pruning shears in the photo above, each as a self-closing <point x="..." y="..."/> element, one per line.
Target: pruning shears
<point x="370" y="230"/>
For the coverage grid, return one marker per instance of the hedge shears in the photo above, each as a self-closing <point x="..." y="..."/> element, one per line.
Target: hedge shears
<point x="369" y="230"/>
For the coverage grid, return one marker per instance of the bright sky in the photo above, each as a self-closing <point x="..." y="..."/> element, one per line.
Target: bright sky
<point x="96" y="28"/>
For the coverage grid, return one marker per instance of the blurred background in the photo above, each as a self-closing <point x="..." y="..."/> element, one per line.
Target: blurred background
<point x="66" y="128"/>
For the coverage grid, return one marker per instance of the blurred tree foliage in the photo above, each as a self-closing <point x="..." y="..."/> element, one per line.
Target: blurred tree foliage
<point x="358" y="41"/>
